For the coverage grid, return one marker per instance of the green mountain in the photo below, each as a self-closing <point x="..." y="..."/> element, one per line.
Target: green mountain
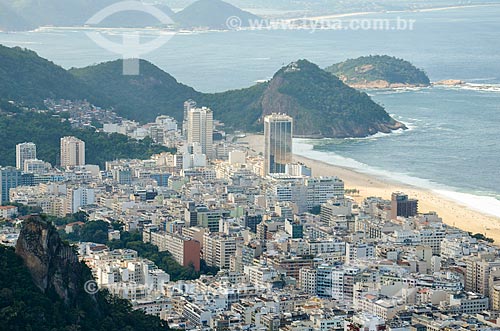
<point x="321" y="104"/>
<point x="379" y="71"/>
<point x="213" y="14"/>
<point x="28" y="78"/>
<point x="140" y="97"/>
<point x="42" y="287"/>
<point x="324" y="106"/>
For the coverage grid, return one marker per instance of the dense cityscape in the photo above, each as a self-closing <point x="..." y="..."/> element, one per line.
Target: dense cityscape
<point x="264" y="165"/>
<point x="252" y="240"/>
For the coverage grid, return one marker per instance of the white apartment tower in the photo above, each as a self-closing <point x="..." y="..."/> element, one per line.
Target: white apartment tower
<point x="72" y="152"/>
<point x="188" y="105"/>
<point x="24" y="151"/>
<point x="201" y="128"/>
<point x="78" y="197"/>
<point x="278" y="132"/>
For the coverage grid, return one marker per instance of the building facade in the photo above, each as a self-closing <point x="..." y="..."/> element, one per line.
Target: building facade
<point x="401" y="205"/>
<point x="24" y="151"/>
<point x="200" y="128"/>
<point x="72" y="152"/>
<point x="278" y="133"/>
<point x="10" y="178"/>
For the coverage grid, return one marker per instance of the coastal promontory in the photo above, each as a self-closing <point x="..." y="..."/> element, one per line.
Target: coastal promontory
<point x="379" y="72"/>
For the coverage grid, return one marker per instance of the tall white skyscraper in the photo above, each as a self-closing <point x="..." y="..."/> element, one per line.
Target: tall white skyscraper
<point x="24" y="151"/>
<point x="278" y="132"/>
<point x="72" y="152"/>
<point x="188" y="105"/>
<point x="201" y="129"/>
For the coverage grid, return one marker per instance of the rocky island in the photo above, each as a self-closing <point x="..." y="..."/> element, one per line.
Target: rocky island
<point x="450" y="82"/>
<point x="379" y="72"/>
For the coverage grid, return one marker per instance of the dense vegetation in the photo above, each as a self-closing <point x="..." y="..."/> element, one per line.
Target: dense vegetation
<point x="319" y="102"/>
<point x="379" y="68"/>
<point x="238" y="109"/>
<point x="343" y="113"/>
<point x="26" y="77"/>
<point x="46" y="131"/>
<point x="153" y="90"/>
<point x="480" y="236"/>
<point x="24" y="307"/>
<point x="93" y="231"/>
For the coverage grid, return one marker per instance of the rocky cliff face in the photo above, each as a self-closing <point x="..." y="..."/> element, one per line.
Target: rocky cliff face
<point x="47" y="289"/>
<point x="53" y="264"/>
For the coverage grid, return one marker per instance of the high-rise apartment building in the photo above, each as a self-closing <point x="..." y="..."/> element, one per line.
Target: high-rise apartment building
<point x="10" y="177"/>
<point x="186" y="251"/>
<point x="278" y="132"/>
<point x="24" y="151"/>
<point x="77" y="197"/>
<point x="200" y="129"/>
<point x="322" y="189"/>
<point x="218" y="249"/>
<point x="72" y="152"/>
<point x="188" y="105"/>
<point x="402" y="206"/>
<point x="478" y="269"/>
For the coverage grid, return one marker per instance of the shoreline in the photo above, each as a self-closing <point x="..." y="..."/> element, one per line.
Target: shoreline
<point x="453" y="213"/>
<point x="416" y="10"/>
<point x="345" y="15"/>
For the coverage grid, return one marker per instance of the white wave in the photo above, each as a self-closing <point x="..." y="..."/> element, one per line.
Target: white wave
<point x="441" y="128"/>
<point x="485" y="204"/>
<point x="390" y="91"/>
<point x="414" y="119"/>
<point x="383" y="135"/>
<point x="379" y="135"/>
<point x="409" y="127"/>
<point x="305" y="148"/>
<point x="482" y="87"/>
<point x="473" y="87"/>
<point x="482" y="203"/>
<point x="481" y="79"/>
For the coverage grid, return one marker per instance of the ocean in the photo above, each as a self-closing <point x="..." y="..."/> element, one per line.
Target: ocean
<point x="453" y="142"/>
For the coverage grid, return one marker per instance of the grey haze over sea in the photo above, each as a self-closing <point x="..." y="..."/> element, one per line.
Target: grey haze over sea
<point x="453" y="145"/>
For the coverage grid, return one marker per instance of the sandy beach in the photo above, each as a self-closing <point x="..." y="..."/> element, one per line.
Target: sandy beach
<point x="451" y="212"/>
